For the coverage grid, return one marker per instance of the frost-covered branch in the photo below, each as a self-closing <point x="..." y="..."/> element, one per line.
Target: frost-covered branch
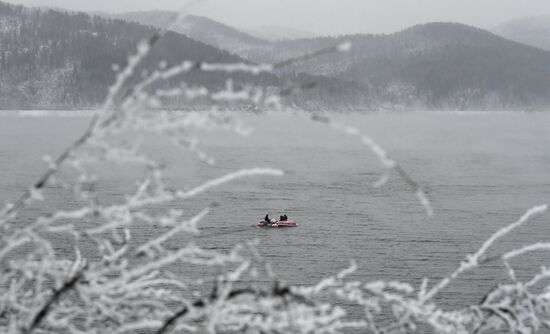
<point x="472" y="261"/>
<point x="56" y="297"/>
<point x="388" y="163"/>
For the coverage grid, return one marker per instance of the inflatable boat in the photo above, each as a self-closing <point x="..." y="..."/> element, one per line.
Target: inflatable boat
<point x="277" y="224"/>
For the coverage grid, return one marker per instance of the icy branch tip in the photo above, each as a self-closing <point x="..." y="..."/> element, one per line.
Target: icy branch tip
<point x="425" y="202"/>
<point x="345" y="47"/>
<point x="539" y="209"/>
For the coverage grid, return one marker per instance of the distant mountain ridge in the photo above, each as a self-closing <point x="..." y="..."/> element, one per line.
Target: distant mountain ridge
<point x="434" y="66"/>
<point x="52" y="59"/>
<point x="534" y="31"/>
<point x="198" y="28"/>
<point x="276" y="33"/>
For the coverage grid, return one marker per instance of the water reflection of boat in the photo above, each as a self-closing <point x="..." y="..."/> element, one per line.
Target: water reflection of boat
<point x="278" y="224"/>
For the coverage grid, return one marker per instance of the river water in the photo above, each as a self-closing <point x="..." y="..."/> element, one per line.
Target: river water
<point x="481" y="171"/>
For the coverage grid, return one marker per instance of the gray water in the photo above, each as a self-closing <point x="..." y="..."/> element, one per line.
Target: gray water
<point x="481" y="171"/>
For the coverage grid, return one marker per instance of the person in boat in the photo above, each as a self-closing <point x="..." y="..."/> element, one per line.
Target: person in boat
<point x="281" y="218"/>
<point x="284" y="218"/>
<point x="266" y="219"/>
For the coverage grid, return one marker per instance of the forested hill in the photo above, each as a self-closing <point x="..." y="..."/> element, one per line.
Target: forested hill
<point x="433" y="66"/>
<point x="51" y="59"/>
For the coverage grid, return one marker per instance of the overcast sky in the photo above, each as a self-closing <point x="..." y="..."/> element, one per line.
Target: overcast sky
<point x="329" y="16"/>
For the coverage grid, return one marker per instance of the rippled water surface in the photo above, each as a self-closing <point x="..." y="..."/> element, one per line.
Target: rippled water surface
<point x="481" y="171"/>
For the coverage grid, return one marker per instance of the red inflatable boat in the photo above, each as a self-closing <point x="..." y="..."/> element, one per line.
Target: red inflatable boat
<point x="278" y="224"/>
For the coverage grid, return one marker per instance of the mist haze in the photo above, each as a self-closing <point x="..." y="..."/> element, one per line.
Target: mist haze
<point x="330" y="17"/>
